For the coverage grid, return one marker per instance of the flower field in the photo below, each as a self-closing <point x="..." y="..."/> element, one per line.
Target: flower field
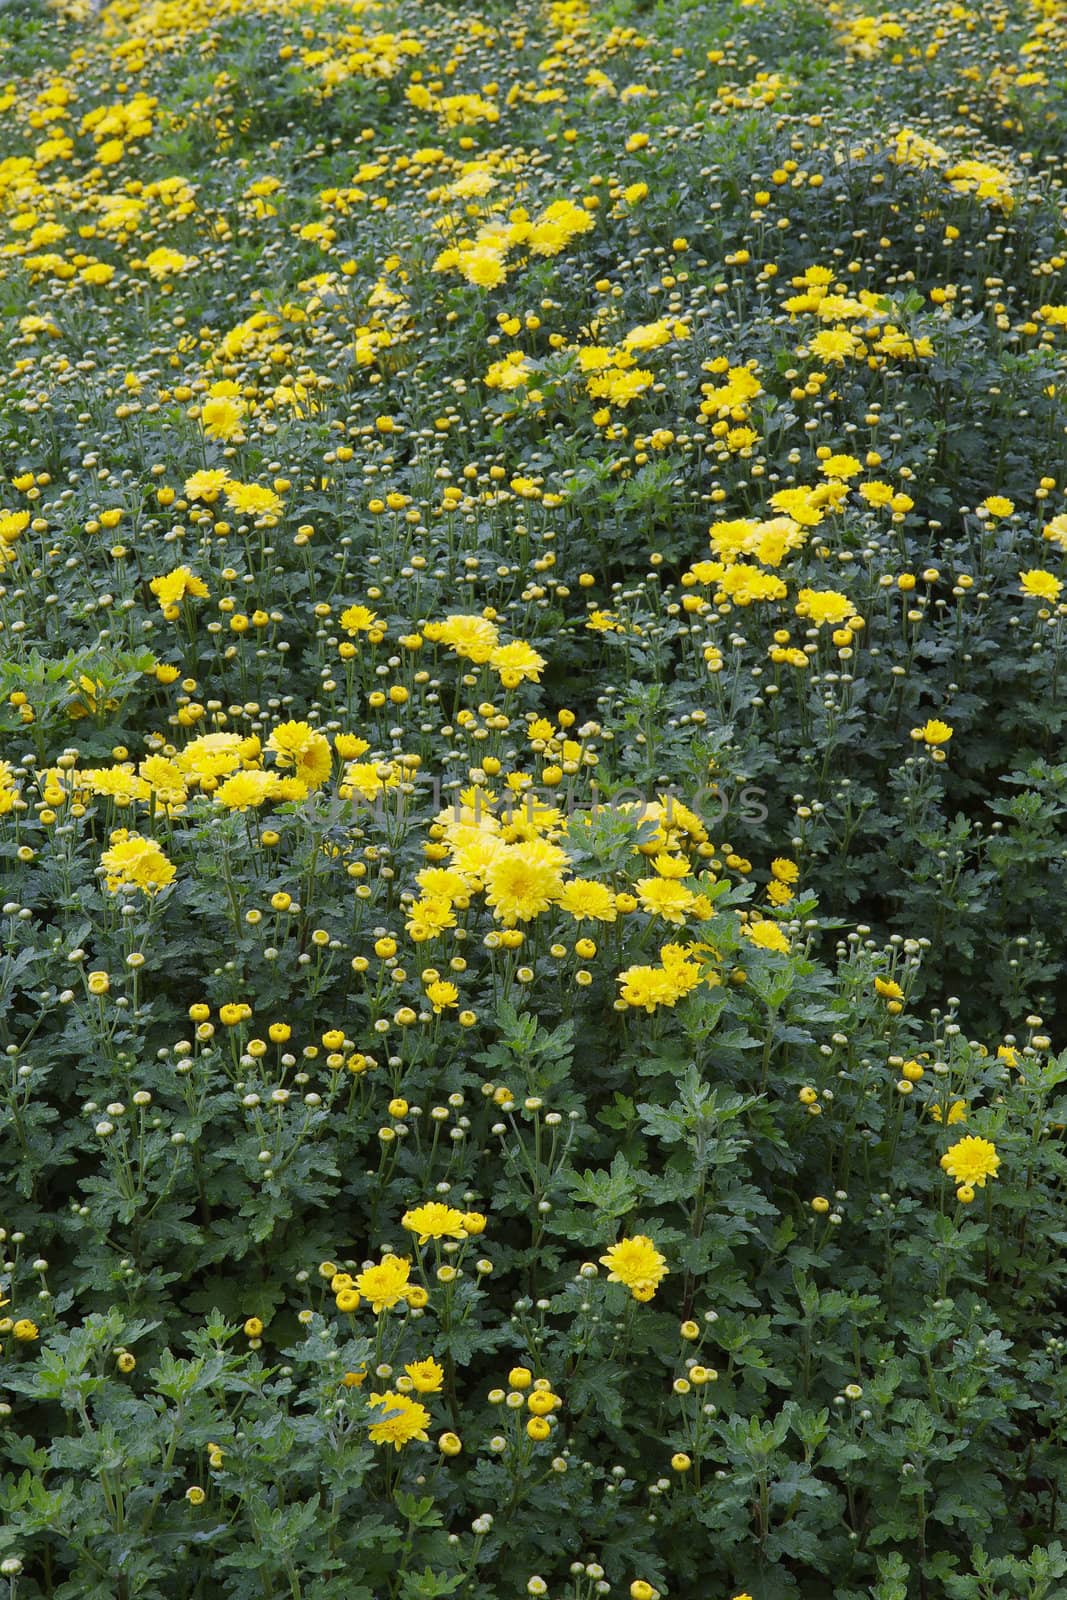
<point x="533" y="809"/>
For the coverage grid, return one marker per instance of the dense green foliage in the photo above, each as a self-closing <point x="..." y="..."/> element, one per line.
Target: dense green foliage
<point x="532" y="801"/>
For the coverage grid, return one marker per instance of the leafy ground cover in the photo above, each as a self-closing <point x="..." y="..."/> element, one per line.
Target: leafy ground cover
<point x="532" y="800"/>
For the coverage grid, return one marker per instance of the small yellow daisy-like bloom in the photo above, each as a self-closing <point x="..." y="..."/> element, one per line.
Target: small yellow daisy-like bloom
<point x="349" y="746"/>
<point x="300" y="748"/>
<point x="1055" y="531"/>
<point x="824" y="605"/>
<point x="668" y="866"/>
<point x="520" y="884"/>
<point x="840" y="466"/>
<point x="932" y="732"/>
<point x="666" y="898"/>
<point x="400" y="1420"/>
<point x="971" y="1161"/>
<point x="136" y="862"/>
<point x="517" y="661"/>
<point x="482" y="266"/>
<point x="12" y="523"/>
<point x="162" y="262"/>
<point x="174" y="586"/>
<point x="1040" y="585"/>
<point x="473" y="637"/>
<point x="442" y="996"/>
<point x="385" y="1284"/>
<point x="358" y="619"/>
<point x="244" y="791"/>
<point x="784" y="870"/>
<point x="888" y="989"/>
<point x="957" y="1112"/>
<point x="252" y="499"/>
<point x="638" y="1264"/>
<point x="427" y="1376"/>
<point x="587" y="900"/>
<point x="221" y="417"/>
<point x="434" y="1221"/>
<point x="998" y="505"/>
<point x="206" y="485"/>
<point x="766" y="935"/>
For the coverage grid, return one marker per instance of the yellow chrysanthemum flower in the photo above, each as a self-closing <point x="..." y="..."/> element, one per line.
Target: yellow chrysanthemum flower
<point x="971" y="1161"/>
<point x="638" y="1264"/>
<point x="399" y="1419"/>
